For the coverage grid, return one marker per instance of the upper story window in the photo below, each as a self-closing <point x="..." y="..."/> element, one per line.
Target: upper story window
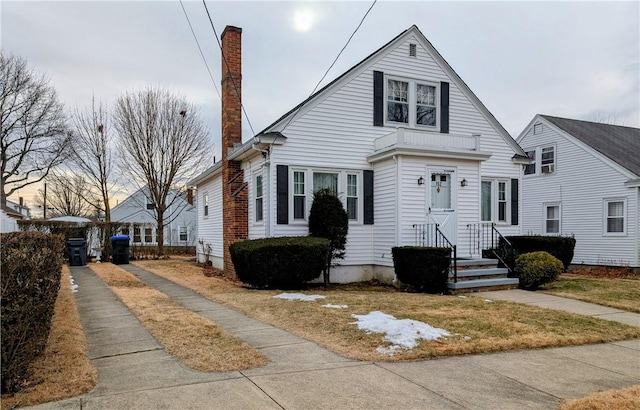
<point x="530" y="168"/>
<point x="548" y="160"/>
<point x="411" y="102"/>
<point x="259" y="197"/>
<point x="614" y="216"/>
<point x="149" y="203"/>
<point x="537" y="129"/>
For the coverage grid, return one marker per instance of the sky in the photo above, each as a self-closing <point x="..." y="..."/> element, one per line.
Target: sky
<point x="576" y="60"/>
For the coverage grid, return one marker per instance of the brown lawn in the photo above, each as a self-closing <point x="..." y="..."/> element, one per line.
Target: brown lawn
<point x="476" y="325"/>
<point x="621" y="399"/>
<point x="195" y="340"/>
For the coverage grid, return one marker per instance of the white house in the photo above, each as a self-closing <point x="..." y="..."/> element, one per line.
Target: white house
<point x="138" y="212"/>
<point x="401" y="138"/>
<point x="585" y="182"/>
<point x="11" y="213"/>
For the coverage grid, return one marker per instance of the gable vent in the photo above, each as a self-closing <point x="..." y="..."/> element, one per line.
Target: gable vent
<point x="412" y="50"/>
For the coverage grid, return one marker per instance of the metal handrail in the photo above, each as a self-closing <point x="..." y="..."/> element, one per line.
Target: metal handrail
<point x="508" y="245"/>
<point x="423" y="237"/>
<point x="454" y="252"/>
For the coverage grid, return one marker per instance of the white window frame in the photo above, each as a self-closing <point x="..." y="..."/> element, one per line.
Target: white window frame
<point x="150" y="205"/>
<point x="137" y="233"/>
<point x="412" y="102"/>
<point x="181" y="230"/>
<point x="495" y="201"/>
<point x="150" y="229"/>
<point x="605" y="216"/>
<point x="537" y="128"/>
<point x="258" y="198"/>
<point x="552" y="169"/>
<point x="545" y="207"/>
<point x="205" y="204"/>
<point x="533" y="164"/>
<point x="357" y="196"/>
<point x="305" y="195"/>
<point x="310" y="189"/>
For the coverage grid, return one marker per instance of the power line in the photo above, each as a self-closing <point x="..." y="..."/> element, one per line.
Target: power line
<point x="224" y="58"/>
<point x="334" y="62"/>
<point x="201" y="53"/>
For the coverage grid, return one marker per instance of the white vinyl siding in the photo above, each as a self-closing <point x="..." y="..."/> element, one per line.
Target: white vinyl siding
<point x="581" y="183"/>
<point x="209" y="236"/>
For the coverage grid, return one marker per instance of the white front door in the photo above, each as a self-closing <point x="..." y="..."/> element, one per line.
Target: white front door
<point x="441" y="201"/>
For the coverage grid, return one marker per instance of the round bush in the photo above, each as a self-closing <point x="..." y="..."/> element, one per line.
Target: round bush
<point x="537" y="268"/>
<point x="284" y="262"/>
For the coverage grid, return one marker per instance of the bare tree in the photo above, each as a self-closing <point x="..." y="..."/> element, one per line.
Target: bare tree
<point x="92" y="154"/>
<point x="34" y="133"/>
<point x="60" y="196"/>
<point x="162" y="143"/>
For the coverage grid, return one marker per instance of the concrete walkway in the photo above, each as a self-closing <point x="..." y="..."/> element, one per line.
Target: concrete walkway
<point x="136" y="373"/>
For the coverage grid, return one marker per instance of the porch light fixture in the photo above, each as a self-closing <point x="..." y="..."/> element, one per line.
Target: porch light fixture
<point x="463" y="183"/>
<point x="421" y="181"/>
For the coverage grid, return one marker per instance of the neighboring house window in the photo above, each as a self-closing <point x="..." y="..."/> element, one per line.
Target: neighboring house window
<point x="182" y="235"/>
<point x="136" y="233"/>
<point x="299" y="197"/>
<point x="552" y="219"/>
<point x="259" y="195"/>
<point x="411" y="102"/>
<point x="547" y="160"/>
<point x="148" y="235"/>
<point x="494" y="201"/>
<point x="537" y="129"/>
<point x="530" y="168"/>
<point x="149" y="203"/>
<point x="205" y="202"/>
<point x="322" y="180"/>
<point x="614" y="216"/>
<point x="125" y="231"/>
<point x="352" y="196"/>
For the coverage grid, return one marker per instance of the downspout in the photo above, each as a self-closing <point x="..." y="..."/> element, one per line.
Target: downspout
<point x="267" y="184"/>
<point x="397" y="201"/>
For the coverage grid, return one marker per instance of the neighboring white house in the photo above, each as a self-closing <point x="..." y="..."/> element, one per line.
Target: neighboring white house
<point x="584" y="182"/>
<point x="400" y="137"/>
<point x="10" y="214"/>
<point x="138" y="212"/>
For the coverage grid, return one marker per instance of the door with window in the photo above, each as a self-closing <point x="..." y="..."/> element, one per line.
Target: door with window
<point x="441" y="201"/>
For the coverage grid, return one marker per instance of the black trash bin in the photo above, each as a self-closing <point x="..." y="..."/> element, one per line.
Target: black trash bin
<point x="77" y="250"/>
<point x="120" y="249"/>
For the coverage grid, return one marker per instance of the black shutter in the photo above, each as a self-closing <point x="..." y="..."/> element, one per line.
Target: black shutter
<point x="378" y="98"/>
<point x="282" y="194"/>
<point x="368" y="196"/>
<point x="444" y="107"/>
<point x="514" y="201"/>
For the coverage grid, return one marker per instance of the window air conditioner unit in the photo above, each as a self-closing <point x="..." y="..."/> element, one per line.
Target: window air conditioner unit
<point x="547" y="169"/>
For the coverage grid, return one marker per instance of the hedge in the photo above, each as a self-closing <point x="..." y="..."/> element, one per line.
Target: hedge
<point x="561" y="247"/>
<point x="284" y="262"/>
<point x="424" y="268"/>
<point x="31" y="268"/>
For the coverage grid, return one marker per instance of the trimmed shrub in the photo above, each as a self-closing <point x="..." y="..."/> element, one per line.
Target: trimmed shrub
<point x="561" y="247"/>
<point x="424" y="268"/>
<point x="537" y="268"/>
<point x="328" y="219"/>
<point x="285" y="262"/>
<point x="31" y="268"/>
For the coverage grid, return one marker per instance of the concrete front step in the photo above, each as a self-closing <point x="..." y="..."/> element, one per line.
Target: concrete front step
<point x="477" y="273"/>
<point x="464" y="263"/>
<point x="482" y="284"/>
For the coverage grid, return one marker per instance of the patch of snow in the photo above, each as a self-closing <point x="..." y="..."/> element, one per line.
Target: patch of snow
<point x="462" y="297"/>
<point x="467" y="338"/>
<point x="74" y="287"/>
<point x="401" y="333"/>
<point x="488" y="300"/>
<point x="299" y="296"/>
<point x="329" y="305"/>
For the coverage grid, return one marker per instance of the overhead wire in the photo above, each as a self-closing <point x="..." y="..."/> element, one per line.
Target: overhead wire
<point x="333" y="63"/>
<point x="200" y="49"/>
<point x="224" y="59"/>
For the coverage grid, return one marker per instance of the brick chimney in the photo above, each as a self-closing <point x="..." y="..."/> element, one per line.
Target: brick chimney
<point x="235" y="223"/>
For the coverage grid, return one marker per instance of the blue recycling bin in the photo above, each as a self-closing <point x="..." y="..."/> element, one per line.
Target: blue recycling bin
<point x="120" y="249"/>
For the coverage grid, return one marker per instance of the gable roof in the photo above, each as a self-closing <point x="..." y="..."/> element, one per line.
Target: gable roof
<point x="413" y="30"/>
<point x="618" y="143"/>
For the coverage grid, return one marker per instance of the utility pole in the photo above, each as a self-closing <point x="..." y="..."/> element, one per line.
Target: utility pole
<point x="44" y="216"/>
